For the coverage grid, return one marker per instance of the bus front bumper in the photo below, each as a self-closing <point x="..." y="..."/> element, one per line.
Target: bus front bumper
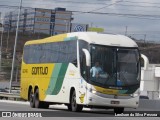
<point x="93" y="99"/>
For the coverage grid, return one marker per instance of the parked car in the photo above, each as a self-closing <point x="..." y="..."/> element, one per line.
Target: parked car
<point x="143" y="97"/>
<point x="3" y="90"/>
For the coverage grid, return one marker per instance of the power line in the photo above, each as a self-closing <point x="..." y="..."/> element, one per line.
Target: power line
<point x="78" y="2"/>
<point x="144" y="32"/>
<point x="91" y="3"/>
<point x="139" y="16"/>
<point x="141" y="2"/>
<point x="6" y="6"/>
<point x="133" y="10"/>
<point x="38" y="4"/>
<point x="60" y="2"/>
<point x="140" y="6"/>
<point x="157" y="17"/>
<point x="106" y="6"/>
<point x="103" y="7"/>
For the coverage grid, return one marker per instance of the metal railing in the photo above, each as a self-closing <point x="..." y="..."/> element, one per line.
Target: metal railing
<point x="9" y="96"/>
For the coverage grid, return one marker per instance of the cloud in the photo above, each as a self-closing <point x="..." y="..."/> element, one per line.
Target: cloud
<point x="115" y="24"/>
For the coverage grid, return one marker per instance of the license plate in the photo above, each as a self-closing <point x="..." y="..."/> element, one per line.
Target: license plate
<point x="115" y="102"/>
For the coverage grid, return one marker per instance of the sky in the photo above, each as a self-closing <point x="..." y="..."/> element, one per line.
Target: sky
<point x="137" y="18"/>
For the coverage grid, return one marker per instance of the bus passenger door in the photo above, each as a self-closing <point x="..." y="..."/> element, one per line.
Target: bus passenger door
<point x="84" y="68"/>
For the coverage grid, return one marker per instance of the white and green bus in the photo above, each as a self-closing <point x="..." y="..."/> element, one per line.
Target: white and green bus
<point x="59" y="70"/>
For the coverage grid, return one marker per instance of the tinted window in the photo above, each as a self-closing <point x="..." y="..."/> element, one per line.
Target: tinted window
<point x="114" y="66"/>
<point x="58" y="52"/>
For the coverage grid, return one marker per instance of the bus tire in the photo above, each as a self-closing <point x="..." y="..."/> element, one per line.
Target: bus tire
<point x="74" y="106"/>
<point x="31" y="99"/>
<point x="38" y="103"/>
<point x="118" y="110"/>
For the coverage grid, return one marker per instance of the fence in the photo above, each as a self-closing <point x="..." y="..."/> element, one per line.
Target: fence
<point x="5" y="73"/>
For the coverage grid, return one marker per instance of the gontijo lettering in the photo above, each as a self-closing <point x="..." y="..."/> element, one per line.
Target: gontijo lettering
<point x="39" y="70"/>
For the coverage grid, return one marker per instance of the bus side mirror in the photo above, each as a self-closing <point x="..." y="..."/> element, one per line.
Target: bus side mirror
<point x="88" y="57"/>
<point x="146" y="61"/>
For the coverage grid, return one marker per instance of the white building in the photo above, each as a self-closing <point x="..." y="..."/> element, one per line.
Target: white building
<point x="150" y="79"/>
<point x="39" y="20"/>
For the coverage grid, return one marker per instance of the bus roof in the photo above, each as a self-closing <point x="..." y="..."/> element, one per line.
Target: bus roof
<point x="90" y="37"/>
<point x="105" y="39"/>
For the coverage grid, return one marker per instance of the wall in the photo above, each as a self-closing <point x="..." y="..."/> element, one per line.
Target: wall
<point x="150" y="83"/>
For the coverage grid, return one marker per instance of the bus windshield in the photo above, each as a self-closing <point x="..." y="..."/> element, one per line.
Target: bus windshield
<point x="114" y="66"/>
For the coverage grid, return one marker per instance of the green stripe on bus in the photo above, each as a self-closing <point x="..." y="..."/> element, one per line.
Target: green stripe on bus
<point x="60" y="78"/>
<point x="54" y="77"/>
<point x="131" y="91"/>
<point x="122" y="91"/>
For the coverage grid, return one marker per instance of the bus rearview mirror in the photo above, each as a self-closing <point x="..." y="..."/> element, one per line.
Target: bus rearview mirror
<point x="88" y="57"/>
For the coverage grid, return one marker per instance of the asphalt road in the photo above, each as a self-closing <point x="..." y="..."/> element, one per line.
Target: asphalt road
<point x="61" y="112"/>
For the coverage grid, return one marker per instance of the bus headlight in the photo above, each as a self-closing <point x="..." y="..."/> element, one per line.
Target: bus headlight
<point x="136" y="94"/>
<point x="92" y="91"/>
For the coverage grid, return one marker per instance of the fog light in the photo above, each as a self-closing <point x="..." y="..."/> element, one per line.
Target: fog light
<point x="92" y="91"/>
<point x="90" y="99"/>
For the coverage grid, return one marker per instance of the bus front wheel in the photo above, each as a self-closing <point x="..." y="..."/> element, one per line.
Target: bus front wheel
<point x="73" y="104"/>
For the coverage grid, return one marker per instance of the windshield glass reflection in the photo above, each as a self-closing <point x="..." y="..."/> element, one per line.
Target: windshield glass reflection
<point x="114" y="66"/>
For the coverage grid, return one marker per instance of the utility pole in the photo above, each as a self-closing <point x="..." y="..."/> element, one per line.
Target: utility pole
<point x="8" y="35"/>
<point x="1" y="46"/>
<point x="126" y="31"/>
<point x="15" y="45"/>
<point x="145" y="40"/>
<point x="52" y="28"/>
<point x="69" y="26"/>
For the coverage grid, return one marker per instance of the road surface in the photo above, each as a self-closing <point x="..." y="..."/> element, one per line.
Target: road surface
<point x="60" y="112"/>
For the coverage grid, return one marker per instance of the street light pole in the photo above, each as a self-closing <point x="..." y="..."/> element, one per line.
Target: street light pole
<point x="126" y="31"/>
<point x="15" y="45"/>
<point x="8" y="36"/>
<point x="52" y="28"/>
<point x="51" y="23"/>
<point x="1" y="46"/>
<point x="69" y="26"/>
